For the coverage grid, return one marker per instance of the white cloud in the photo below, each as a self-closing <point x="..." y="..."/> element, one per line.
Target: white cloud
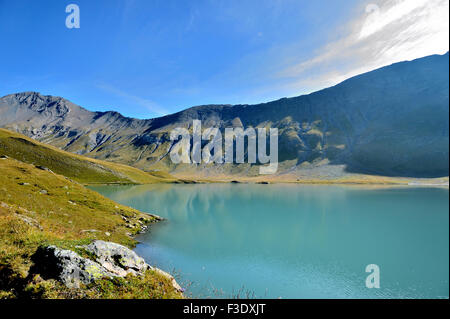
<point x="388" y="31"/>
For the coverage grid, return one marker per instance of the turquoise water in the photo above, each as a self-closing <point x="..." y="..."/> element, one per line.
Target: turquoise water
<point x="291" y="241"/>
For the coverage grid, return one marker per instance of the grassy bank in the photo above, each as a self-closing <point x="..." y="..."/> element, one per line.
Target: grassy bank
<point x="79" y="168"/>
<point x="42" y="206"/>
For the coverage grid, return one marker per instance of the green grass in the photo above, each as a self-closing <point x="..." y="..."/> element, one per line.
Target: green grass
<point x="66" y="215"/>
<point x="79" y="168"/>
<point x="149" y="286"/>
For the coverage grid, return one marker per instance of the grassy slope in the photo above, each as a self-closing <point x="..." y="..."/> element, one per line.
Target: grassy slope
<point x="79" y="168"/>
<point x="40" y="207"/>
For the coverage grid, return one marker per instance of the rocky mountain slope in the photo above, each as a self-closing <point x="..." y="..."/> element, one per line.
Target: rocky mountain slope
<point x="393" y="121"/>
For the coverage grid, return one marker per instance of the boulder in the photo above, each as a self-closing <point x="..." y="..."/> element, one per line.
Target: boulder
<point x="116" y="258"/>
<point x="67" y="267"/>
<point x="112" y="260"/>
<point x="43" y="168"/>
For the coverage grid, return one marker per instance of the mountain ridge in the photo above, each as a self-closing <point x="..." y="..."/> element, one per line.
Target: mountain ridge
<point x="367" y="124"/>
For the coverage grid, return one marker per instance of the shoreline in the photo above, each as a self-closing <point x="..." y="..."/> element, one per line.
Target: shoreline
<point x="349" y="182"/>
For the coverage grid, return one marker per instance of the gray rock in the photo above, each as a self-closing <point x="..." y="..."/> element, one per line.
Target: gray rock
<point x="43" y="168"/>
<point x="116" y="258"/>
<point x="113" y="260"/>
<point x="67" y="267"/>
<point x="29" y="221"/>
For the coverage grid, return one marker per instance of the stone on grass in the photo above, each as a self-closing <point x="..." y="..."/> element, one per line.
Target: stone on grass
<point x="116" y="258"/>
<point x="111" y="260"/>
<point x="67" y="267"/>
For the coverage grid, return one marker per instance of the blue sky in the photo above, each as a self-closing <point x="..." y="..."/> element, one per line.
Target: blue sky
<point x="149" y="58"/>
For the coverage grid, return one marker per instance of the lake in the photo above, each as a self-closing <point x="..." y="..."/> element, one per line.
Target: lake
<point x="295" y="241"/>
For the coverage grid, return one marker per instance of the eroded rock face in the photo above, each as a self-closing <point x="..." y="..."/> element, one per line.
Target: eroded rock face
<point x="112" y="260"/>
<point x="67" y="266"/>
<point x="116" y="258"/>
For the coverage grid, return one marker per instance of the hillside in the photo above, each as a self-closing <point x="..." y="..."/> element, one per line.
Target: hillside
<point x="40" y="208"/>
<point x="392" y="121"/>
<point x="76" y="167"/>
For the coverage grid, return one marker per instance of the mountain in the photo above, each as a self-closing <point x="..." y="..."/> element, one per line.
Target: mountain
<point x="393" y="121"/>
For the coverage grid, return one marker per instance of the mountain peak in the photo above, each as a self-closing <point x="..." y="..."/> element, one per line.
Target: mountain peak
<point x="390" y="121"/>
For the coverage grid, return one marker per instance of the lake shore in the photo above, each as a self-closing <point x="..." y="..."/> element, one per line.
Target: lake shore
<point x="345" y="180"/>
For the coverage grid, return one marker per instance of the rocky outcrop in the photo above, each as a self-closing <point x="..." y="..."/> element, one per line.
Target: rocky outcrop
<point x="26" y="219"/>
<point x="111" y="260"/>
<point x="116" y="258"/>
<point x="67" y="267"/>
<point x="29" y="221"/>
